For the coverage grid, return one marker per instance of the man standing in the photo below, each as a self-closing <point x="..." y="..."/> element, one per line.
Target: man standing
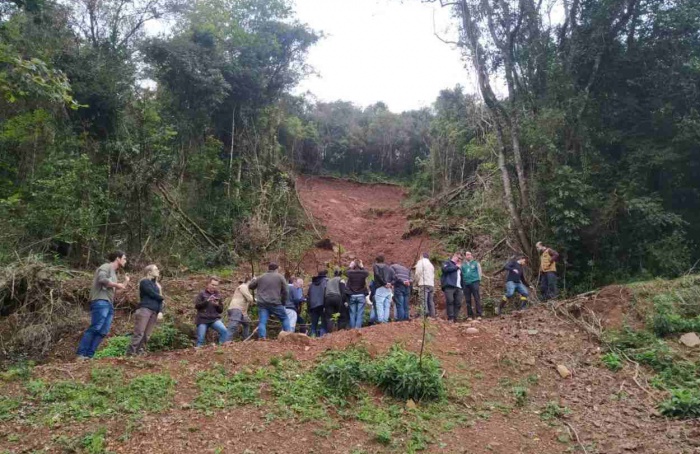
<point x="425" y="278"/>
<point x="402" y="290"/>
<point x="471" y="278"/>
<point x="101" y="304"/>
<point x="548" y="269"/>
<point x="452" y="285"/>
<point x="150" y="310"/>
<point x="356" y="289"/>
<point x="515" y="281"/>
<point x="333" y="300"/>
<point x="316" y="299"/>
<point x="383" y="278"/>
<point x="294" y="300"/>
<point x="238" y="311"/>
<point x="270" y="298"/>
<point x="209" y="307"/>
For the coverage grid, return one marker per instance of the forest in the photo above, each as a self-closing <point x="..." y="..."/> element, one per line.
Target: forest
<point x="183" y="145"/>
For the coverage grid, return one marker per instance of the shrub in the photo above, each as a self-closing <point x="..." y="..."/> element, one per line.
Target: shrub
<point x="683" y="403"/>
<point x="343" y="371"/>
<point x="400" y="374"/>
<point x="553" y="411"/>
<point x="612" y="361"/>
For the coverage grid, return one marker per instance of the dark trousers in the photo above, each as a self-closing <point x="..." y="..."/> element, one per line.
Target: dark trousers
<point x="316" y="318"/>
<point x="331" y="306"/>
<point x="472" y="291"/>
<point x="452" y="301"/>
<point x="548" y="285"/>
<point x="237" y="318"/>
<point x="144" y="322"/>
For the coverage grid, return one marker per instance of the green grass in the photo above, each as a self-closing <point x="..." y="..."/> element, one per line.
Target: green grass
<point x="165" y="337"/>
<point x="105" y="394"/>
<point x="219" y="389"/>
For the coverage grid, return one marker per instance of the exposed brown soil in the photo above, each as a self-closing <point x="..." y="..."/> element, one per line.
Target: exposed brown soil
<point x="364" y="219"/>
<point x="610" y="413"/>
<point x="612" y="305"/>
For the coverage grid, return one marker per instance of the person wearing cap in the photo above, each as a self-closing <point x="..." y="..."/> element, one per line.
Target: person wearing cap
<point x="425" y="279"/>
<point x="270" y="297"/>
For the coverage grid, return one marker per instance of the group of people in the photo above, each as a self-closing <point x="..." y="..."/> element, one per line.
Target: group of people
<point x="336" y="302"/>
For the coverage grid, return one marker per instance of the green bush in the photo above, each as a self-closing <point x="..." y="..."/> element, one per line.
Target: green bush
<point x="343" y="371"/>
<point x="684" y="403"/>
<point x="612" y="361"/>
<point x="114" y="347"/>
<point x="400" y="374"/>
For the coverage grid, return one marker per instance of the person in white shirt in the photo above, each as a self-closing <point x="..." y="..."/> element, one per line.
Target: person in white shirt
<point x="425" y="280"/>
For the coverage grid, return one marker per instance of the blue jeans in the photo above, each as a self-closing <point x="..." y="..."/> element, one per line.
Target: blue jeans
<point x="512" y="287"/>
<point x="217" y="326"/>
<point x="401" y="297"/>
<point x="357" y="310"/>
<point x="101" y="314"/>
<point x="382" y="297"/>
<point x="264" y="314"/>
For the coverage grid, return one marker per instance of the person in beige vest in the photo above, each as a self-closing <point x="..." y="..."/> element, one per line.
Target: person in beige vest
<point x="238" y="311"/>
<point x="548" y="271"/>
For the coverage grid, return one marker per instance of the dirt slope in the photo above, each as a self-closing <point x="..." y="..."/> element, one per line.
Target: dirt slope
<point x="365" y="219"/>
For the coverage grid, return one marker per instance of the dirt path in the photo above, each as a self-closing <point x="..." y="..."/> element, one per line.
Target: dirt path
<point x="365" y="219"/>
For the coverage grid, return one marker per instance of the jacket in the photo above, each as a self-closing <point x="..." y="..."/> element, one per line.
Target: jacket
<point x="425" y="272"/>
<point x="450" y="275"/>
<point x="333" y="287"/>
<point x="149" y="294"/>
<point x="383" y="274"/>
<point x="515" y="272"/>
<point x="295" y="298"/>
<point x="357" y="282"/>
<point x="471" y="272"/>
<point x="548" y="261"/>
<point x="401" y="275"/>
<point x="272" y="289"/>
<point x="317" y="292"/>
<point x="208" y="311"/>
<point x="241" y="299"/>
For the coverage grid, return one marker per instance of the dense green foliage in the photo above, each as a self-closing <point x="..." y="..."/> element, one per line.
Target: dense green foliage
<point x="601" y="157"/>
<point x="165" y="337"/>
<point x="187" y="171"/>
<point x="590" y="154"/>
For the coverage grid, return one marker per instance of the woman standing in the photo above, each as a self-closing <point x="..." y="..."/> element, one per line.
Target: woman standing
<point x="149" y="312"/>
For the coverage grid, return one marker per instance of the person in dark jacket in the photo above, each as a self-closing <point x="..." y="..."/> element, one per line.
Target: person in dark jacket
<point x="295" y="298"/>
<point x="271" y="296"/>
<point x="150" y="310"/>
<point x="452" y="285"/>
<point x="356" y="291"/>
<point x="316" y="300"/>
<point x="384" y="279"/>
<point x="333" y="300"/>
<point x="515" y="282"/>
<point x="402" y="290"/>
<point x="210" y="305"/>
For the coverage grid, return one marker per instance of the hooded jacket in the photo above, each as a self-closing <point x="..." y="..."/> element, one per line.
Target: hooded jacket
<point x="317" y="291"/>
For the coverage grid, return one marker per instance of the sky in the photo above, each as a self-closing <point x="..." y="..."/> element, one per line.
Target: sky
<point x="381" y="50"/>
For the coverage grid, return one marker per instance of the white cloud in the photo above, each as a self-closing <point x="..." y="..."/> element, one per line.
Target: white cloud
<point x="381" y="50"/>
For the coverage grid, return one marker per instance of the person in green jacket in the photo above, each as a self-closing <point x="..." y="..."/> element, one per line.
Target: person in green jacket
<point x="471" y="277"/>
